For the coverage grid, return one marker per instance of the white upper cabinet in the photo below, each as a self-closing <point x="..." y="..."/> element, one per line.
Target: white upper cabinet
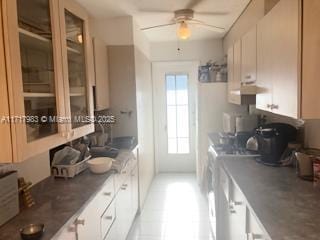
<point x="242" y="67"/>
<point x="48" y="74"/>
<point x="249" y="57"/>
<point x="78" y="68"/>
<point x="288" y="56"/>
<point x="264" y="65"/>
<point x="278" y="59"/>
<point x="310" y="101"/>
<point x="35" y="86"/>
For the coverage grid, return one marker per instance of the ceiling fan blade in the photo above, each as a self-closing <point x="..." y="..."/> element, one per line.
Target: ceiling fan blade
<point x="212" y="13"/>
<point x="157" y="26"/>
<point x="152" y="11"/>
<point x="193" y="3"/>
<point x="207" y="26"/>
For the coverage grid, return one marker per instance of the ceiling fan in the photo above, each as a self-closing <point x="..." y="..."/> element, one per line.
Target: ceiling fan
<point x="185" y="17"/>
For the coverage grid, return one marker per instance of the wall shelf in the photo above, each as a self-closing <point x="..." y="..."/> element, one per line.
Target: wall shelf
<point x="37" y="95"/>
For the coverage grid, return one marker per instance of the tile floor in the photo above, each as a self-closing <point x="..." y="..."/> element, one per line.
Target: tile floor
<point x="174" y="210"/>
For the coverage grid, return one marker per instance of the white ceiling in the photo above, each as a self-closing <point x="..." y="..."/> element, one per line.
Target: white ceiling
<point x="148" y="13"/>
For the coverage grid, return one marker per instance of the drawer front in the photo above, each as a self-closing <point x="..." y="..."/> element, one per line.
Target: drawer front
<point x="225" y="183"/>
<point x="108" y="190"/>
<point x="107" y="219"/>
<point x="121" y="177"/>
<point x="105" y="196"/>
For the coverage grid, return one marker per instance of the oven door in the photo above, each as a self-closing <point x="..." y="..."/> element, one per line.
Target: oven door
<point x="212" y="187"/>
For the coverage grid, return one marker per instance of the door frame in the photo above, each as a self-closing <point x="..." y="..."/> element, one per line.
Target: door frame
<point x="156" y="103"/>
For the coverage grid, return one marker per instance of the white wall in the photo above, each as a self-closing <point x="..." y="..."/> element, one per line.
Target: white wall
<point x="34" y="169"/>
<point x="120" y="31"/>
<point x="113" y="31"/>
<point x="201" y="50"/>
<point x="140" y="40"/>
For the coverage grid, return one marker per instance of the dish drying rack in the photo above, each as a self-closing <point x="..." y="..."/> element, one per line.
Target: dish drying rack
<point x="70" y="171"/>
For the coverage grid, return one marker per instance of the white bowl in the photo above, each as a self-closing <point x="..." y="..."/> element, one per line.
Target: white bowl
<point x="100" y="165"/>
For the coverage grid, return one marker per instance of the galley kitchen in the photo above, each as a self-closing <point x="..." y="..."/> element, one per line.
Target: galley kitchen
<point x="159" y="120"/>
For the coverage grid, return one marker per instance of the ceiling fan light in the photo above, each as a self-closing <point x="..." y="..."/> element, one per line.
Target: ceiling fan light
<point x="184" y="31"/>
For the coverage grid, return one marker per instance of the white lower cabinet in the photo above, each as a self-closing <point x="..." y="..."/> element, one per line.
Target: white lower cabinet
<point x="236" y="221"/>
<point x="111" y="212"/>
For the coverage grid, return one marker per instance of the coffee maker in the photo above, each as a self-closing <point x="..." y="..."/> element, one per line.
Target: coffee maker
<point x="271" y="140"/>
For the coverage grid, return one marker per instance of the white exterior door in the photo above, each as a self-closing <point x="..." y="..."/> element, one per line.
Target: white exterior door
<point x="174" y="112"/>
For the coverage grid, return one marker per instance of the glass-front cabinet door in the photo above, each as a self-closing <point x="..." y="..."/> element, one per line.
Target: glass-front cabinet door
<point x="78" y="67"/>
<point x="35" y="75"/>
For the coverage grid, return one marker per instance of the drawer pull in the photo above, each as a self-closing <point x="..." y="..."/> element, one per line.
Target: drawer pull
<point x="125" y="185"/>
<point x="108" y="194"/>
<point x="252" y="236"/>
<point x="109" y="217"/>
<point x="124" y="172"/>
<point x="232" y="206"/>
<point x="123" y="188"/>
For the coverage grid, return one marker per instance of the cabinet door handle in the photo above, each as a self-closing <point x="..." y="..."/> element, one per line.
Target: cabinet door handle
<point x="107" y="194"/>
<point x="275" y="106"/>
<point x="269" y="106"/>
<point x="79" y="222"/>
<point x="109" y="217"/>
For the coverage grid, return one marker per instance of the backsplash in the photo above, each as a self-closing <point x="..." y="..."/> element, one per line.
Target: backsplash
<point x="34" y="169"/>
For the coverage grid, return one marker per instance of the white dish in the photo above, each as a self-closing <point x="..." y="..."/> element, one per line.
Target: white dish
<point x="100" y="165"/>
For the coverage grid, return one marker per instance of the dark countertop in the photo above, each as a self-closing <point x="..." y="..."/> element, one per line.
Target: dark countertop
<point x="57" y="202"/>
<point x="287" y="207"/>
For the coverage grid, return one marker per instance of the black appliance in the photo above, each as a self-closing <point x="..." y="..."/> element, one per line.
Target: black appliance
<point x="272" y="141"/>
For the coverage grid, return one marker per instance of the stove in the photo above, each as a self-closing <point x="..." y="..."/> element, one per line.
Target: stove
<point x="231" y="150"/>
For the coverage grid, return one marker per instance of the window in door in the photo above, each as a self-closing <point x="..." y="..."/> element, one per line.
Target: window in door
<point x="177" y="113"/>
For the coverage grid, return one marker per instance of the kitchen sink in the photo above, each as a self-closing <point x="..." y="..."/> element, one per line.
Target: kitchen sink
<point x="105" y="151"/>
<point x="122" y="142"/>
